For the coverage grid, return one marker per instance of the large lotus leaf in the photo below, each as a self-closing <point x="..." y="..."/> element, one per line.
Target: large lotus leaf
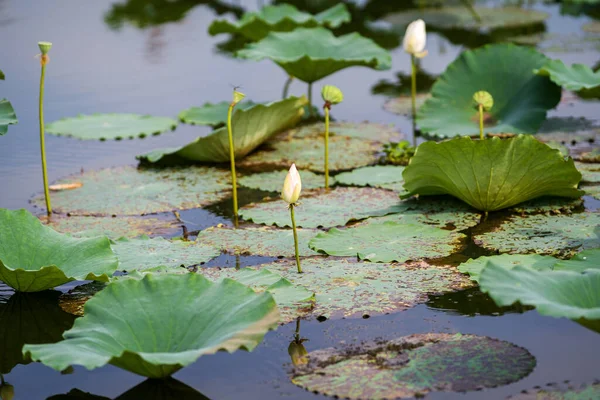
<point x="113" y="228"/>
<point x="375" y="176"/>
<point x="143" y="253"/>
<point x="491" y="174"/>
<point x="413" y="366"/>
<point x="132" y="191"/>
<point x="261" y="241"/>
<point x="346" y="288"/>
<point x="389" y="241"/>
<point x="279" y="18"/>
<point x="211" y="114"/>
<point x="567" y="294"/>
<point x="575" y="77"/>
<point x="560" y="392"/>
<point x="590" y="172"/>
<point x="586" y="260"/>
<point x="111" y="126"/>
<point x="34" y="257"/>
<point x="518" y="108"/>
<point x="251" y="127"/>
<point x="7" y="116"/>
<point x="474" y="266"/>
<point x="544" y="234"/>
<point x="361" y="130"/>
<point x="273" y="181"/>
<point x="315" y="53"/>
<point x="159" y="324"/>
<point x="33" y="318"/>
<point x="344" y="153"/>
<point x="325" y="208"/>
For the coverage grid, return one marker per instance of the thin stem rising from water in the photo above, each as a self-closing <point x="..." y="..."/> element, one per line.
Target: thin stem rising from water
<point x="310" y="105"/>
<point x="232" y="160"/>
<point x="481" y="121"/>
<point x="286" y="87"/>
<point x="326" y="108"/>
<point x="295" y="238"/>
<point x="44" y="61"/>
<point x="413" y="93"/>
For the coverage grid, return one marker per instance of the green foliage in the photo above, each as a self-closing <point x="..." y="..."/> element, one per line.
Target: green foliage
<point x="575" y="77"/>
<point x="376" y="176"/>
<point x="398" y="153"/>
<point x="113" y="228"/>
<point x="474" y="266"/>
<point x="211" y="114"/>
<point x="273" y="181"/>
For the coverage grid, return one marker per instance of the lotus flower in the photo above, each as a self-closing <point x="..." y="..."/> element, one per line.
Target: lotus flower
<point x="292" y="186"/>
<point x="415" y="39"/>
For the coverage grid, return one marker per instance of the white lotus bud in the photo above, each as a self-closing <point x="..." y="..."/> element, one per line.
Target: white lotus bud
<point x="292" y="186"/>
<point x="415" y="38"/>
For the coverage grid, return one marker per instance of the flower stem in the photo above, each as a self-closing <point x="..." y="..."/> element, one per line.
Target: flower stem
<point x="481" y="121"/>
<point x="44" y="61"/>
<point x="232" y="160"/>
<point x="295" y="238"/>
<point x="286" y="86"/>
<point x="310" y="105"/>
<point x="414" y="96"/>
<point x="326" y="108"/>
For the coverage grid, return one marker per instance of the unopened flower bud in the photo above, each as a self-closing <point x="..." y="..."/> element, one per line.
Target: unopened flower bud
<point x="7" y="391"/>
<point x="298" y="353"/>
<point x="292" y="186"/>
<point x="415" y="38"/>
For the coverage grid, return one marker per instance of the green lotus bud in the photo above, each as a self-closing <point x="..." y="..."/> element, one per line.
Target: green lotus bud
<point x="45" y="47"/>
<point x="237" y="97"/>
<point x="7" y="391"/>
<point x="485" y="99"/>
<point x="298" y="353"/>
<point x="332" y="94"/>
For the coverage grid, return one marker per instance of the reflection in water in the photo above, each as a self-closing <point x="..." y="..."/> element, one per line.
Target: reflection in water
<point x="471" y="302"/>
<point x="32" y="318"/>
<point x="7" y="391"/>
<point x="402" y="86"/>
<point x="296" y="349"/>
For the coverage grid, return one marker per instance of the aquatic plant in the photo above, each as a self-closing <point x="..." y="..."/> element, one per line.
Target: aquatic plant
<point x="7" y="391"/>
<point x="331" y="95"/>
<point x="44" y="59"/>
<point x="292" y="186"/>
<point x="575" y="77"/>
<point x="398" y="153"/>
<point x="7" y="113"/>
<point x="210" y="114"/>
<point x="483" y="102"/>
<point x="237" y="97"/>
<point x="414" y="43"/>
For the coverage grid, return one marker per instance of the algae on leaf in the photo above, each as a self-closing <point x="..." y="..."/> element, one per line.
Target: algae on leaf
<point x="575" y="77"/>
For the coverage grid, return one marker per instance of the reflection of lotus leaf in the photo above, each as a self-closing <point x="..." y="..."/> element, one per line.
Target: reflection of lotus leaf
<point x="491" y="174"/>
<point x="251" y="127"/>
<point x="412" y="366"/>
<point x="111" y="126"/>
<point x="273" y="181"/>
<point x="361" y="130"/>
<point x="575" y="77"/>
<point x="211" y="114"/>
<point x="34" y="257"/>
<point x="518" y="108"/>
<point x="474" y="266"/>
<point x="132" y="191"/>
<point x="389" y="241"/>
<point x="180" y="319"/>
<point x="279" y="18"/>
<point x="312" y="54"/>
<point x="7" y="116"/>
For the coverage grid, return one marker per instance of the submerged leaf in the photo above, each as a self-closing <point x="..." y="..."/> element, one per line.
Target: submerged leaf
<point x="7" y="116"/>
<point x="575" y="77"/>
<point x="211" y="114"/>
<point x="180" y="319"/>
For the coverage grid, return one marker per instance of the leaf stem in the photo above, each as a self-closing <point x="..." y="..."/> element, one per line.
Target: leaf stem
<point x="481" y="121"/>
<point x="310" y="105"/>
<point x="44" y="61"/>
<point x="295" y="238"/>
<point x="413" y="92"/>
<point x="286" y="86"/>
<point x="326" y="108"/>
<point x="232" y="160"/>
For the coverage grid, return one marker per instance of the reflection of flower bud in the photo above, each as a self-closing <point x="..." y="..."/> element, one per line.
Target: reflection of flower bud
<point x="45" y="47"/>
<point x="7" y="391"/>
<point x="298" y="353"/>
<point x="415" y="38"/>
<point x="332" y="94"/>
<point x="237" y="97"/>
<point x="485" y="99"/>
<point x="292" y="186"/>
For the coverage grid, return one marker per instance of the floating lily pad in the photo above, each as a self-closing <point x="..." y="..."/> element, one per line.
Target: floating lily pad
<point x="491" y="174"/>
<point x="273" y="181"/>
<point x="344" y="153"/>
<point x="211" y="114"/>
<point x="474" y="266"/>
<point x="111" y="126"/>
<point x="593" y="27"/>
<point x="113" y="228"/>
<point x="362" y="130"/>
<point x="345" y="288"/>
<point x="143" y="253"/>
<point x="590" y="156"/>
<point x="560" y="392"/>
<point x="575" y="77"/>
<point x="558" y="42"/>
<point x="132" y="191"/>
<point x="7" y="116"/>
<point x="518" y="108"/>
<point x="375" y="176"/>
<point x="389" y="241"/>
<point x="34" y="257"/>
<point x="326" y="208"/>
<point x="544" y="234"/>
<point x="593" y="191"/>
<point x="180" y="319"/>
<point x="402" y="105"/>
<point x="261" y="241"/>
<point x="325" y="55"/>
<point x="568" y="130"/>
<point x="586" y="260"/>
<point x="548" y="205"/>
<point x="279" y="18"/>
<point x="251" y="127"/>
<point x="590" y="172"/>
<point x="412" y="366"/>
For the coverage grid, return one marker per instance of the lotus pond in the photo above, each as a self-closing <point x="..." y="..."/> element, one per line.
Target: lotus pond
<point x="447" y="225"/>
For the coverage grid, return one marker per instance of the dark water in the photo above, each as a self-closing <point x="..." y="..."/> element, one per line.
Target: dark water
<point x="164" y="69"/>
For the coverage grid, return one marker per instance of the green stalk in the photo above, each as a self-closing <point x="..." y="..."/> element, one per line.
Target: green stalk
<point x="295" y="238"/>
<point x="232" y="160"/>
<point x="481" y="121"/>
<point x="413" y="92"/>
<point x="44" y="61"/>
<point x="326" y="108"/>
<point x="310" y="105"/>
<point x="286" y="87"/>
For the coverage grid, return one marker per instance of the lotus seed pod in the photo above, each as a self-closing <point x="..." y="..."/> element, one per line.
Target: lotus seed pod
<point x="485" y="99"/>
<point x="45" y="47"/>
<point x="237" y="97"/>
<point x="332" y="94"/>
<point x="7" y="391"/>
<point x="298" y="353"/>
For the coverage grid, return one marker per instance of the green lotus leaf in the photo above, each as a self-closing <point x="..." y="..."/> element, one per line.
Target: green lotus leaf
<point x="325" y="208"/>
<point x="262" y="241"/>
<point x="7" y="116"/>
<point x="491" y="174"/>
<point x="575" y="77"/>
<point x="34" y="257"/>
<point x="381" y="176"/>
<point x="558" y="294"/>
<point x="315" y="53"/>
<point x="474" y="266"/>
<point x="544" y="234"/>
<point x="412" y="366"/>
<point x="143" y="253"/>
<point x="518" y="108"/>
<point x="211" y="114"/>
<point x="279" y="18"/>
<point x="402" y="105"/>
<point x="33" y="318"/>
<point x="251" y="127"/>
<point x="136" y="191"/>
<point x="111" y="126"/>
<point x="273" y="181"/>
<point x="565" y="391"/>
<point x="345" y="288"/>
<point x="584" y="261"/>
<point x="113" y="228"/>
<point x="1" y="75"/>
<point x="389" y="241"/>
<point x="180" y="319"/>
<point x="362" y="130"/>
<point x="590" y="172"/>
